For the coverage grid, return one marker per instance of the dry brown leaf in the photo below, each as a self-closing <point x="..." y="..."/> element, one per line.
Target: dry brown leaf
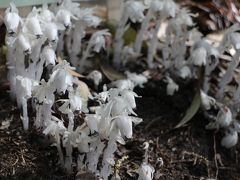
<point x="111" y="73"/>
<point x="84" y="90"/>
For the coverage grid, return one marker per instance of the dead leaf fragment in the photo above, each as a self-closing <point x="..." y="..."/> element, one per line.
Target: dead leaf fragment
<point x="111" y="73"/>
<point x="192" y="110"/>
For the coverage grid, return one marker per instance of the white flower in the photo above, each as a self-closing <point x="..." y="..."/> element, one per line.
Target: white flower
<point x="54" y="126"/>
<point x="137" y="79"/>
<point x="24" y="43"/>
<point x="207" y="101"/>
<point x="124" y="123"/>
<point x="44" y="92"/>
<point x="135" y="10"/>
<point x="25" y="84"/>
<point x="64" y="17"/>
<point x="98" y="40"/>
<point x="185" y="72"/>
<point x="46" y="15"/>
<point x="61" y="80"/>
<point x="119" y="106"/>
<point x="75" y="101"/>
<point x="33" y="26"/>
<point x="199" y="56"/>
<point x="12" y="19"/>
<point x="71" y="6"/>
<point x="123" y="84"/>
<point x="184" y="17"/>
<point x="156" y="5"/>
<point x="96" y="76"/>
<point x="51" y="32"/>
<point x="129" y="96"/>
<point x="171" y="86"/>
<point x="145" y="172"/>
<point x="230" y="139"/>
<point x="170" y="8"/>
<point x="92" y="121"/>
<point x="224" y="117"/>
<point x="48" y="55"/>
<point x="24" y="88"/>
<point x="86" y="15"/>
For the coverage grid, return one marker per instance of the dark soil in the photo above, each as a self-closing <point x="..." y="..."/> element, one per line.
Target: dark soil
<point x="190" y="152"/>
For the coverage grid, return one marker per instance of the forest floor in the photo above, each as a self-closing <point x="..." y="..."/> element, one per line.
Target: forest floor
<point x="190" y="152"/>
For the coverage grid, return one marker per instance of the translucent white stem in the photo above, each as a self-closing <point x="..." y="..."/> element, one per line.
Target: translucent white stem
<point x="153" y="43"/>
<point x="25" y="119"/>
<point x="140" y="35"/>
<point x="118" y="40"/>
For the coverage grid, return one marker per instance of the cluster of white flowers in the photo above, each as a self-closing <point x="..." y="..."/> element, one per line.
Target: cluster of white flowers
<point x="183" y="53"/>
<point x="203" y="54"/>
<point x="34" y="45"/>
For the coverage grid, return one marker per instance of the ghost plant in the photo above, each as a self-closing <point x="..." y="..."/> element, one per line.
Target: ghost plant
<point x="58" y="96"/>
<point x="132" y="10"/>
<point x="96" y="43"/>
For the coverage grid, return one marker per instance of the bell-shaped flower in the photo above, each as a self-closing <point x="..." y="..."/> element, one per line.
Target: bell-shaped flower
<point x="98" y="40"/>
<point x="75" y="100"/>
<point x="92" y="121"/>
<point x="48" y="55"/>
<point x="172" y="87"/>
<point x="32" y="25"/>
<point x="44" y="92"/>
<point x="129" y="96"/>
<point x="64" y="16"/>
<point x="185" y="72"/>
<point x="71" y="6"/>
<point x="87" y="16"/>
<point x="135" y="10"/>
<point x="51" y="32"/>
<point x="54" y="126"/>
<point x="96" y="76"/>
<point x="137" y="79"/>
<point x="27" y="84"/>
<point x="45" y="15"/>
<point x="199" y="56"/>
<point x="156" y="5"/>
<point x="12" y="19"/>
<point x="82" y="139"/>
<point x="224" y="117"/>
<point x="170" y="8"/>
<point x="61" y="79"/>
<point x="124" y="124"/>
<point x="24" y="43"/>
<point x="184" y="17"/>
<point x="230" y="139"/>
<point x="146" y="172"/>
<point x="207" y="101"/>
<point x="25" y="87"/>
<point x="119" y="106"/>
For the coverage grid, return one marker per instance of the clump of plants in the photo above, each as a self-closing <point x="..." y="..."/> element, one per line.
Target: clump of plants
<point x="57" y="89"/>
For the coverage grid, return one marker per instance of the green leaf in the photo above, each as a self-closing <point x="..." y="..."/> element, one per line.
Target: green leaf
<point x="192" y="110"/>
